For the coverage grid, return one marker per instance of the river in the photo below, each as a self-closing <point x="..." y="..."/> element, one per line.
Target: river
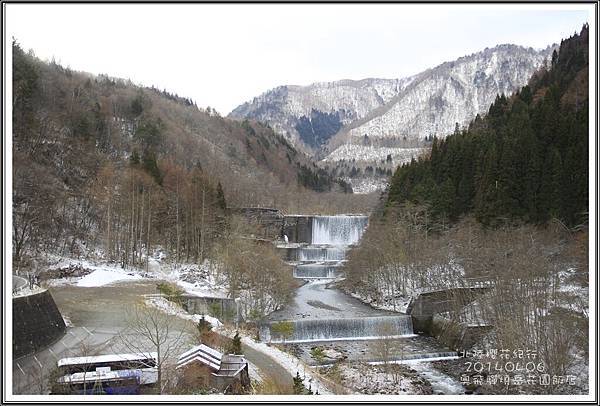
<point x="324" y="316"/>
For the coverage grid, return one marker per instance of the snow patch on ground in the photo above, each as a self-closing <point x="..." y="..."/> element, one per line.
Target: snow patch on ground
<point x="173" y="309"/>
<point x="394" y="304"/>
<point x="101" y="274"/>
<point x="67" y="321"/>
<point x="199" y="280"/>
<point x="104" y="276"/>
<point x="27" y="291"/>
<point x="364" y="186"/>
<point x="254" y="372"/>
<point x="349" y="152"/>
<point x="287" y="361"/>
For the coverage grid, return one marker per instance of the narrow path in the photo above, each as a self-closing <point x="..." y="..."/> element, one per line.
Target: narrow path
<point x="271" y="370"/>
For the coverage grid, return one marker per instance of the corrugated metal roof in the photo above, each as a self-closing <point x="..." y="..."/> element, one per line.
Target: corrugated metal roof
<point x="222" y="364"/>
<point x="231" y="364"/>
<point x="204" y="348"/>
<point x="106" y="358"/>
<point x="203" y="354"/>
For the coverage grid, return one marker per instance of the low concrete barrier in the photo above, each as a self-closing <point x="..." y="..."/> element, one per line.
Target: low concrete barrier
<point x="37" y="323"/>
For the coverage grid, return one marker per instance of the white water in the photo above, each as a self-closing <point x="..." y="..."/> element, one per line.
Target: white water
<point x="440" y="382"/>
<point x="321" y="314"/>
<point x="338" y="230"/>
<point x="321" y="254"/>
<point x="365" y="328"/>
<point x="316" y="272"/>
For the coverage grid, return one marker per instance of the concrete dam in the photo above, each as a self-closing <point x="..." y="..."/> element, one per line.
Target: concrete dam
<point x="316" y="249"/>
<point x="324" y="316"/>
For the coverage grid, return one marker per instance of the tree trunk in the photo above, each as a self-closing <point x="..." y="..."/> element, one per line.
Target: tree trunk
<point x="148" y="234"/>
<point x="202" y="227"/>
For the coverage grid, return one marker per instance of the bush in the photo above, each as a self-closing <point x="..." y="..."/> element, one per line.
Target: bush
<point x="171" y="292"/>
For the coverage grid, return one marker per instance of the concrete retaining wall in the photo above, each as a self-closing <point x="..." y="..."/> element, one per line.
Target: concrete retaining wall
<point x="272" y="225"/>
<point x="268" y="222"/>
<point x="222" y="308"/>
<point x="457" y="336"/>
<point x="37" y="323"/>
<point x="298" y="228"/>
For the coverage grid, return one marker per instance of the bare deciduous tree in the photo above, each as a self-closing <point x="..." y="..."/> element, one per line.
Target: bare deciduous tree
<point x="150" y="329"/>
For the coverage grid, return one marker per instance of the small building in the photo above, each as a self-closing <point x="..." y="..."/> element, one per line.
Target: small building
<point x="203" y="367"/>
<point x="107" y="374"/>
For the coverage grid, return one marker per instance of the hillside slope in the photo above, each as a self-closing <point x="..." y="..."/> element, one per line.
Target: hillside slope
<point x="94" y="155"/>
<point x="390" y="112"/>
<point x="526" y="159"/>
<point x="310" y="115"/>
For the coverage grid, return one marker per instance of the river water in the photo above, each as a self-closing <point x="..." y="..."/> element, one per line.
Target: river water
<point x="322" y="315"/>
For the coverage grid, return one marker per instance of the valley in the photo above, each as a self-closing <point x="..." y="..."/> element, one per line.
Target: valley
<point x="364" y="237"/>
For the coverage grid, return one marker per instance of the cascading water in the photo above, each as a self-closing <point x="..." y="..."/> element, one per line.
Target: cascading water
<point x="321" y="313"/>
<point x="316" y="272"/>
<point x="321" y="254"/>
<point x="331" y="236"/>
<point x="355" y="328"/>
<point x="338" y="230"/>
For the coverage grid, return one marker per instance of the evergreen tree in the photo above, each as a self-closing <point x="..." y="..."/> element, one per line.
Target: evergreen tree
<point x="551" y="186"/>
<point x="298" y="384"/>
<point x="221" y="197"/>
<point x="443" y="203"/>
<point x="203" y="326"/>
<point x="236" y="345"/>
<point x="525" y="160"/>
<point x="134" y="159"/>
<point x="151" y="166"/>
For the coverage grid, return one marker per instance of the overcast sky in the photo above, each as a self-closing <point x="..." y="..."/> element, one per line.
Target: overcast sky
<point x="223" y="55"/>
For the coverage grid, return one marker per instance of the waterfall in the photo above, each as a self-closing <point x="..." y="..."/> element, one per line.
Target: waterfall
<point x="316" y="272"/>
<point x="420" y="357"/>
<point x="338" y="230"/>
<point x="321" y="254"/>
<point x="355" y="328"/>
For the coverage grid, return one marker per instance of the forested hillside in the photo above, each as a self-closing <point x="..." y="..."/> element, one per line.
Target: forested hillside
<point x="502" y="205"/>
<point x="527" y="159"/>
<point x="101" y="162"/>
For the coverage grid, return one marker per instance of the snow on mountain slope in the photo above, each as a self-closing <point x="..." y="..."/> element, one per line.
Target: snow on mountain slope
<point x="324" y="106"/>
<point x="454" y="92"/>
<point x="349" y="152"/>
<point x="323" y="116"/>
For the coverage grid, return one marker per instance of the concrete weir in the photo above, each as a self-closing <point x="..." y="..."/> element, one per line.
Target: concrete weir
<point x="298" y="229"/>
<point x="341" y="329"/>
<point x="322" y="315"/>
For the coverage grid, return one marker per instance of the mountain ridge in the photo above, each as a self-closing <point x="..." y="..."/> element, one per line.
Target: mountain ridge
<point x="284" y="107"/>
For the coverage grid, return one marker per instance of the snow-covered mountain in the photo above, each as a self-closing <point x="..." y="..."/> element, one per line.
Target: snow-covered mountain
<point x="325" y="116"/>
<point x="312" y="114"/>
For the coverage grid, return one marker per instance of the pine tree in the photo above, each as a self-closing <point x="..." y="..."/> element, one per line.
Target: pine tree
<point x="203" y="325"/>
<point x="298" y="384"/>
<point x="443" y="204"/>
<point x="134" y="159"/>
<point x="151" y="166"/>
<point x="221" y="197"/>
<point x="551" y="185"/>
<point x="236" y="345"/>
